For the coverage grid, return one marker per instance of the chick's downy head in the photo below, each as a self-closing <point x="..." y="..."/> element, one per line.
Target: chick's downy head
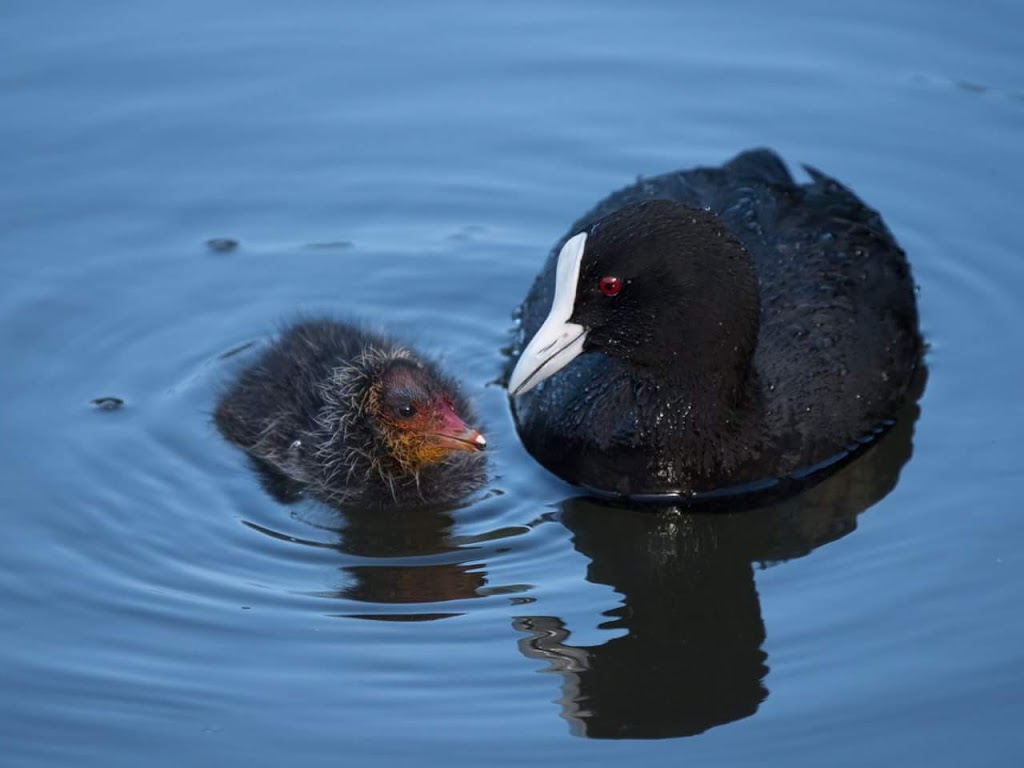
<point x="416" y="416"/>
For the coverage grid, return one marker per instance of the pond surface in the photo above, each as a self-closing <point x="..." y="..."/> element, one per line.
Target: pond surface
<point x="411" y="164"/>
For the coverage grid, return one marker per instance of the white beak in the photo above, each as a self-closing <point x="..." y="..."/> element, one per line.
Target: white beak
<point x="557" y="342"/>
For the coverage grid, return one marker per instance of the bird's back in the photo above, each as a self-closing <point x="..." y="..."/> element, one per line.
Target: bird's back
<point x="279" y="397"/>
<point x="838" y="343"/>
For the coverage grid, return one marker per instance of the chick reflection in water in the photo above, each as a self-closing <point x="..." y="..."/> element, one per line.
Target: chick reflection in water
<point x="415" y="565"/>
<point x="691" y="657"/>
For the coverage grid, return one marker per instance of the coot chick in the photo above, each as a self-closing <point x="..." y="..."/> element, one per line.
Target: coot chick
<point x="356" y="417"/>
<point x="711" y="331"/>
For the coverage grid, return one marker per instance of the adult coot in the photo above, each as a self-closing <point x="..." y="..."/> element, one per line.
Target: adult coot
<point x="715" y="330"/>
<point x="357" y="417"/>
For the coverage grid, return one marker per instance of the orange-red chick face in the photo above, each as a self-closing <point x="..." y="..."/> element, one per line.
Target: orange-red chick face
<point x="417" y="418"/>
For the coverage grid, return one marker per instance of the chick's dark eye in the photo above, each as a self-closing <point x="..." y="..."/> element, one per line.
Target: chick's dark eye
<point x="609" y="286"/>
<point x="406" y="411"/>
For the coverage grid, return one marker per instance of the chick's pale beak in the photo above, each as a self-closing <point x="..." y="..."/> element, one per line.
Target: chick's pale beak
<point x="453" y="433"/>
<point x="467" y="440"/>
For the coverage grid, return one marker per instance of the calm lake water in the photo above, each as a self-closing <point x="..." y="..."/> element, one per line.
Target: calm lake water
<point x="411" y="164"/>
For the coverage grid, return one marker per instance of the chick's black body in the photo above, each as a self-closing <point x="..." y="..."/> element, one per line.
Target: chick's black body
<point x="763" y="328"/>
<point x="312" y="407"/>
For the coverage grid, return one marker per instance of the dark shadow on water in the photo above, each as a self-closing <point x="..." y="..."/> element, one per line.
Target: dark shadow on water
<point x="692" y="654"/>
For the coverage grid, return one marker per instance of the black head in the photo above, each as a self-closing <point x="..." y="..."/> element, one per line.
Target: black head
<point x="659" y="284"/>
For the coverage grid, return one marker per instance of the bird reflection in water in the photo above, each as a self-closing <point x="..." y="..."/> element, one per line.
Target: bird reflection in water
<point x="691" y="657"/>
<point x="691" y="654"/>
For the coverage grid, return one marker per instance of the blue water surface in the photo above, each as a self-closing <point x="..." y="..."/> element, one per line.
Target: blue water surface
<point x="411" y="164"/>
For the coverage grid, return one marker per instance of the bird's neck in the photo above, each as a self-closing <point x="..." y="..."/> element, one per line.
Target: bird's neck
<point x="712" y="393"/>
<point x="711" y="421"/>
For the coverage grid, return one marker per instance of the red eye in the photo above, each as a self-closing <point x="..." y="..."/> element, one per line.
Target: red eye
<point x="610" y="286"/>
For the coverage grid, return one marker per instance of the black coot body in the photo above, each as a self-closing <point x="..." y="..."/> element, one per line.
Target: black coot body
<point x="716" y="329"/>
<point x="356" y="417"/>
